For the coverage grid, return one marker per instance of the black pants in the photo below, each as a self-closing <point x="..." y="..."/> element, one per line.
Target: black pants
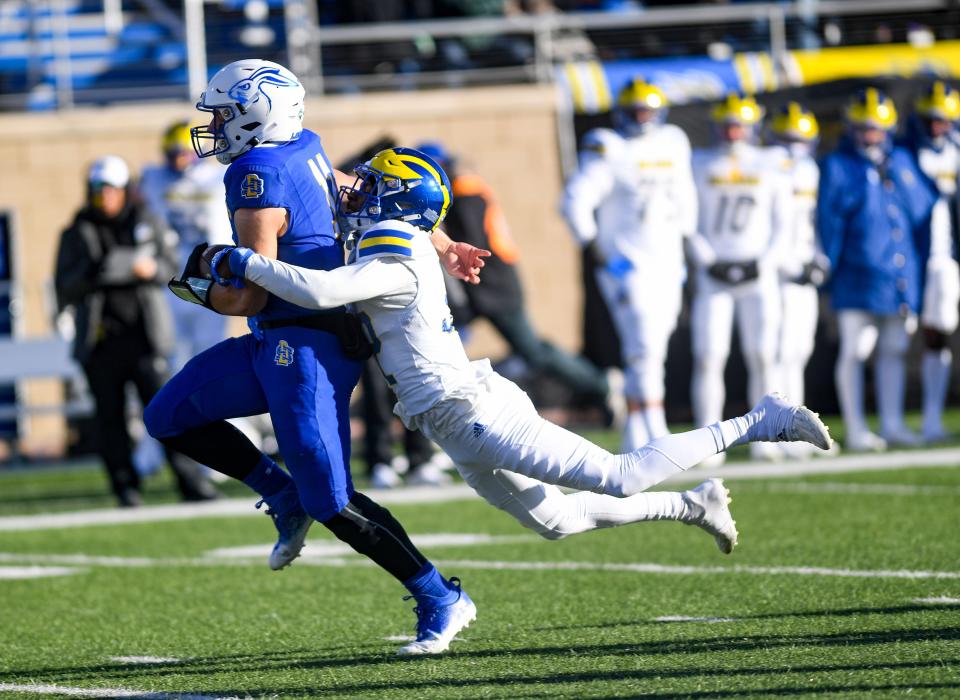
<point x="575" y="371"/>
<point x="113" y="364"/>
<point x="378" y="401"/>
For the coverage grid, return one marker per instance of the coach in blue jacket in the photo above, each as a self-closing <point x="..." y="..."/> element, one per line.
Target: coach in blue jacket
<point x="873" y="217"/>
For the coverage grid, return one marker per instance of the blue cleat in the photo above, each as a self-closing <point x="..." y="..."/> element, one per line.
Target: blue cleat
<point x="438" y="625"/>
<point x="292" y="528"/>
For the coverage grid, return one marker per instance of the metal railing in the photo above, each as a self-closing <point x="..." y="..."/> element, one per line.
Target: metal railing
<point x="378" y="56"/>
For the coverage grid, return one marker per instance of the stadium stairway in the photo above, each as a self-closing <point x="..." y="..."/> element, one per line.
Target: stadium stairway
<point x="145" y="59"/>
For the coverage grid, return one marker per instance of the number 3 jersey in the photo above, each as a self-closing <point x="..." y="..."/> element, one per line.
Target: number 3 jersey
<point x="745" y="201"/>
<point x="416" y="344"/>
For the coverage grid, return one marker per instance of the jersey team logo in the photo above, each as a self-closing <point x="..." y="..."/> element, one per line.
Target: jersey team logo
<point x="283" y="357"/>
<point x="252" y="186"/>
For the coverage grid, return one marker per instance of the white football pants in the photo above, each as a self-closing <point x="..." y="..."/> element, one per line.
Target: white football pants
<point x="756" y="307"/>
<point x="515" y="460"/>
<point x="860" y="333"/>
<point x="801" y="306"/>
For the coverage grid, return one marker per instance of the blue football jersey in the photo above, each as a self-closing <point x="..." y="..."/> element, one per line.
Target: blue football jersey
<point x="295" y="176"/>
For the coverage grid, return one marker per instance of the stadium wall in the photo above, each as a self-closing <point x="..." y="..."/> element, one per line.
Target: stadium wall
<point x="506" y="134"/>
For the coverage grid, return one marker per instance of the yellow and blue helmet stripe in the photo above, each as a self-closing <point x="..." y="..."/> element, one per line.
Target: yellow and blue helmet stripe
<point x="872" y="108"/>
<point x="398" y="183"/>
<point x="939" y="102"/>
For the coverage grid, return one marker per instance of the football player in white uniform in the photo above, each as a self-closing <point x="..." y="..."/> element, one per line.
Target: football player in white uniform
<point x="929" y="138"/>
<point x="795" y="130"/>
<point x="186" y="193"/>
<point x="745" y="218"/>
<point x="509" y="454"/>
<point x="633" y="201"/>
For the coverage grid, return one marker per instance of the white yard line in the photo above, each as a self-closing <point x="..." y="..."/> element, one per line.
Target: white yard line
<point x="144" y="659"/>
<point x="839" y="487"/>
<point x="16" y="573"/>
<point x="42" y="689"/>
<point x="685" y="618"/>
<point x="459" y="492"/>
<point x="453" y="564"/>
<point x="937" y="600"/>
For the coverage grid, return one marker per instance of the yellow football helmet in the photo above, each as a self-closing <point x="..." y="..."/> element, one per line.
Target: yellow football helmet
<point x="872" y="108"/>
<point x="794" y="123"/>
<point x="737" y="108"/>
<point x="177" y="138"/>
<point x="939" y="102"/>
<point x="639" y="94"/>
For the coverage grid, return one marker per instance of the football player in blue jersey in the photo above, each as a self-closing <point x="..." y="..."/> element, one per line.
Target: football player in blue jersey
<point x="299" y="366"/>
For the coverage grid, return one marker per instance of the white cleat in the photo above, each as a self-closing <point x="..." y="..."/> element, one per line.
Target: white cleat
<point x="864" y="442"/>
<point x="292" y="528"/>
<point x="778" y="420"/>
<point x="709" y="511"/>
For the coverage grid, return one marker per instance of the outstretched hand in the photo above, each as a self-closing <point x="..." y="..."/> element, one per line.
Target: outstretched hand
<point x="464" y="261"/>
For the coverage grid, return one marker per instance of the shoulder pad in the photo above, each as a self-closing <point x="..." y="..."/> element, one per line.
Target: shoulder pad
<point x="388" y="239"/>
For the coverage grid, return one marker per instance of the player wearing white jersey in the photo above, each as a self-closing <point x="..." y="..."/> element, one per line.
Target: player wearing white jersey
<point x="795" y="130"/>
<point x="186" y="193"/>
<point x="509" y="454"/>
<point x="930" y="139"/>
<point x="745" y="215"/>
<point x="633" y="201"/>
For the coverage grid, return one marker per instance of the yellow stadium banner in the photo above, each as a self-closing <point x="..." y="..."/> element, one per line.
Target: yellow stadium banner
<point x="820" y="65"/>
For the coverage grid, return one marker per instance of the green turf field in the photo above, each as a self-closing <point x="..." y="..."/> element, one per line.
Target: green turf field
<point x="845" y="585"/>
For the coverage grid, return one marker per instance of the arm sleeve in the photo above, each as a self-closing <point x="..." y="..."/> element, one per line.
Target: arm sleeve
<point x="584" y="192"/>
<point x="780" y="252"/>
<point x="686" y="191"/>
<point x="941" y="242"/>
<point x="328" y="289"/>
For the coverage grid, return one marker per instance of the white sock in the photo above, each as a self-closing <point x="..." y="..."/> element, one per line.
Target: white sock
<point x="656" y="421"/>
<point x="639" y="470"/>
<point x="635" y="433"/>
<point x="848" y="377"/>
<point x="590" y="511"/>
<point x="936" y="381"/>
<point x="890" y="383"/>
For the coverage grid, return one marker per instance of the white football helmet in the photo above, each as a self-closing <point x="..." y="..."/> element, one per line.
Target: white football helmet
<point x="252" y="102"/>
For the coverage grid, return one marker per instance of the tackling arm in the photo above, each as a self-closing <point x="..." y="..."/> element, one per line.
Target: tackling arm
<point x="325" y="289"/>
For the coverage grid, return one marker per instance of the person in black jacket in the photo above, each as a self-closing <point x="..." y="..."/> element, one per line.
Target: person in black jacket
<point x="112" y="265"/>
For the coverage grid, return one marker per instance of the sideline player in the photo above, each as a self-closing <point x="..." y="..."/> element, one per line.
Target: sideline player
<point x="299" y="366"/>
<point x="509" y="454"/>
<point x="875" y="213"/>
<point x="745" y="216"/>
<point x="633" y="201"/>
<point x="795" y="130"/>
<point x="930" y="138"/>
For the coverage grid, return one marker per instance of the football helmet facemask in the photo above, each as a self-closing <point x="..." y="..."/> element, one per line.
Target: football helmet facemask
<point x="252" y="102"/>
<point x="396" y="184"/>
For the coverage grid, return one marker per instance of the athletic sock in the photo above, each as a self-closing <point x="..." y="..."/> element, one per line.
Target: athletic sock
<point x="656" y="421"/>
<point x="936" y="381"/>
<point x="429" y="588"/>
<point x="274" y="485"/>
<point x="635" y="433"/>
<point x="729" y="433"/>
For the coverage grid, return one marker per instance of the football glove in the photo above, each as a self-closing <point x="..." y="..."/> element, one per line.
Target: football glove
<point x="194" y="282"/>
